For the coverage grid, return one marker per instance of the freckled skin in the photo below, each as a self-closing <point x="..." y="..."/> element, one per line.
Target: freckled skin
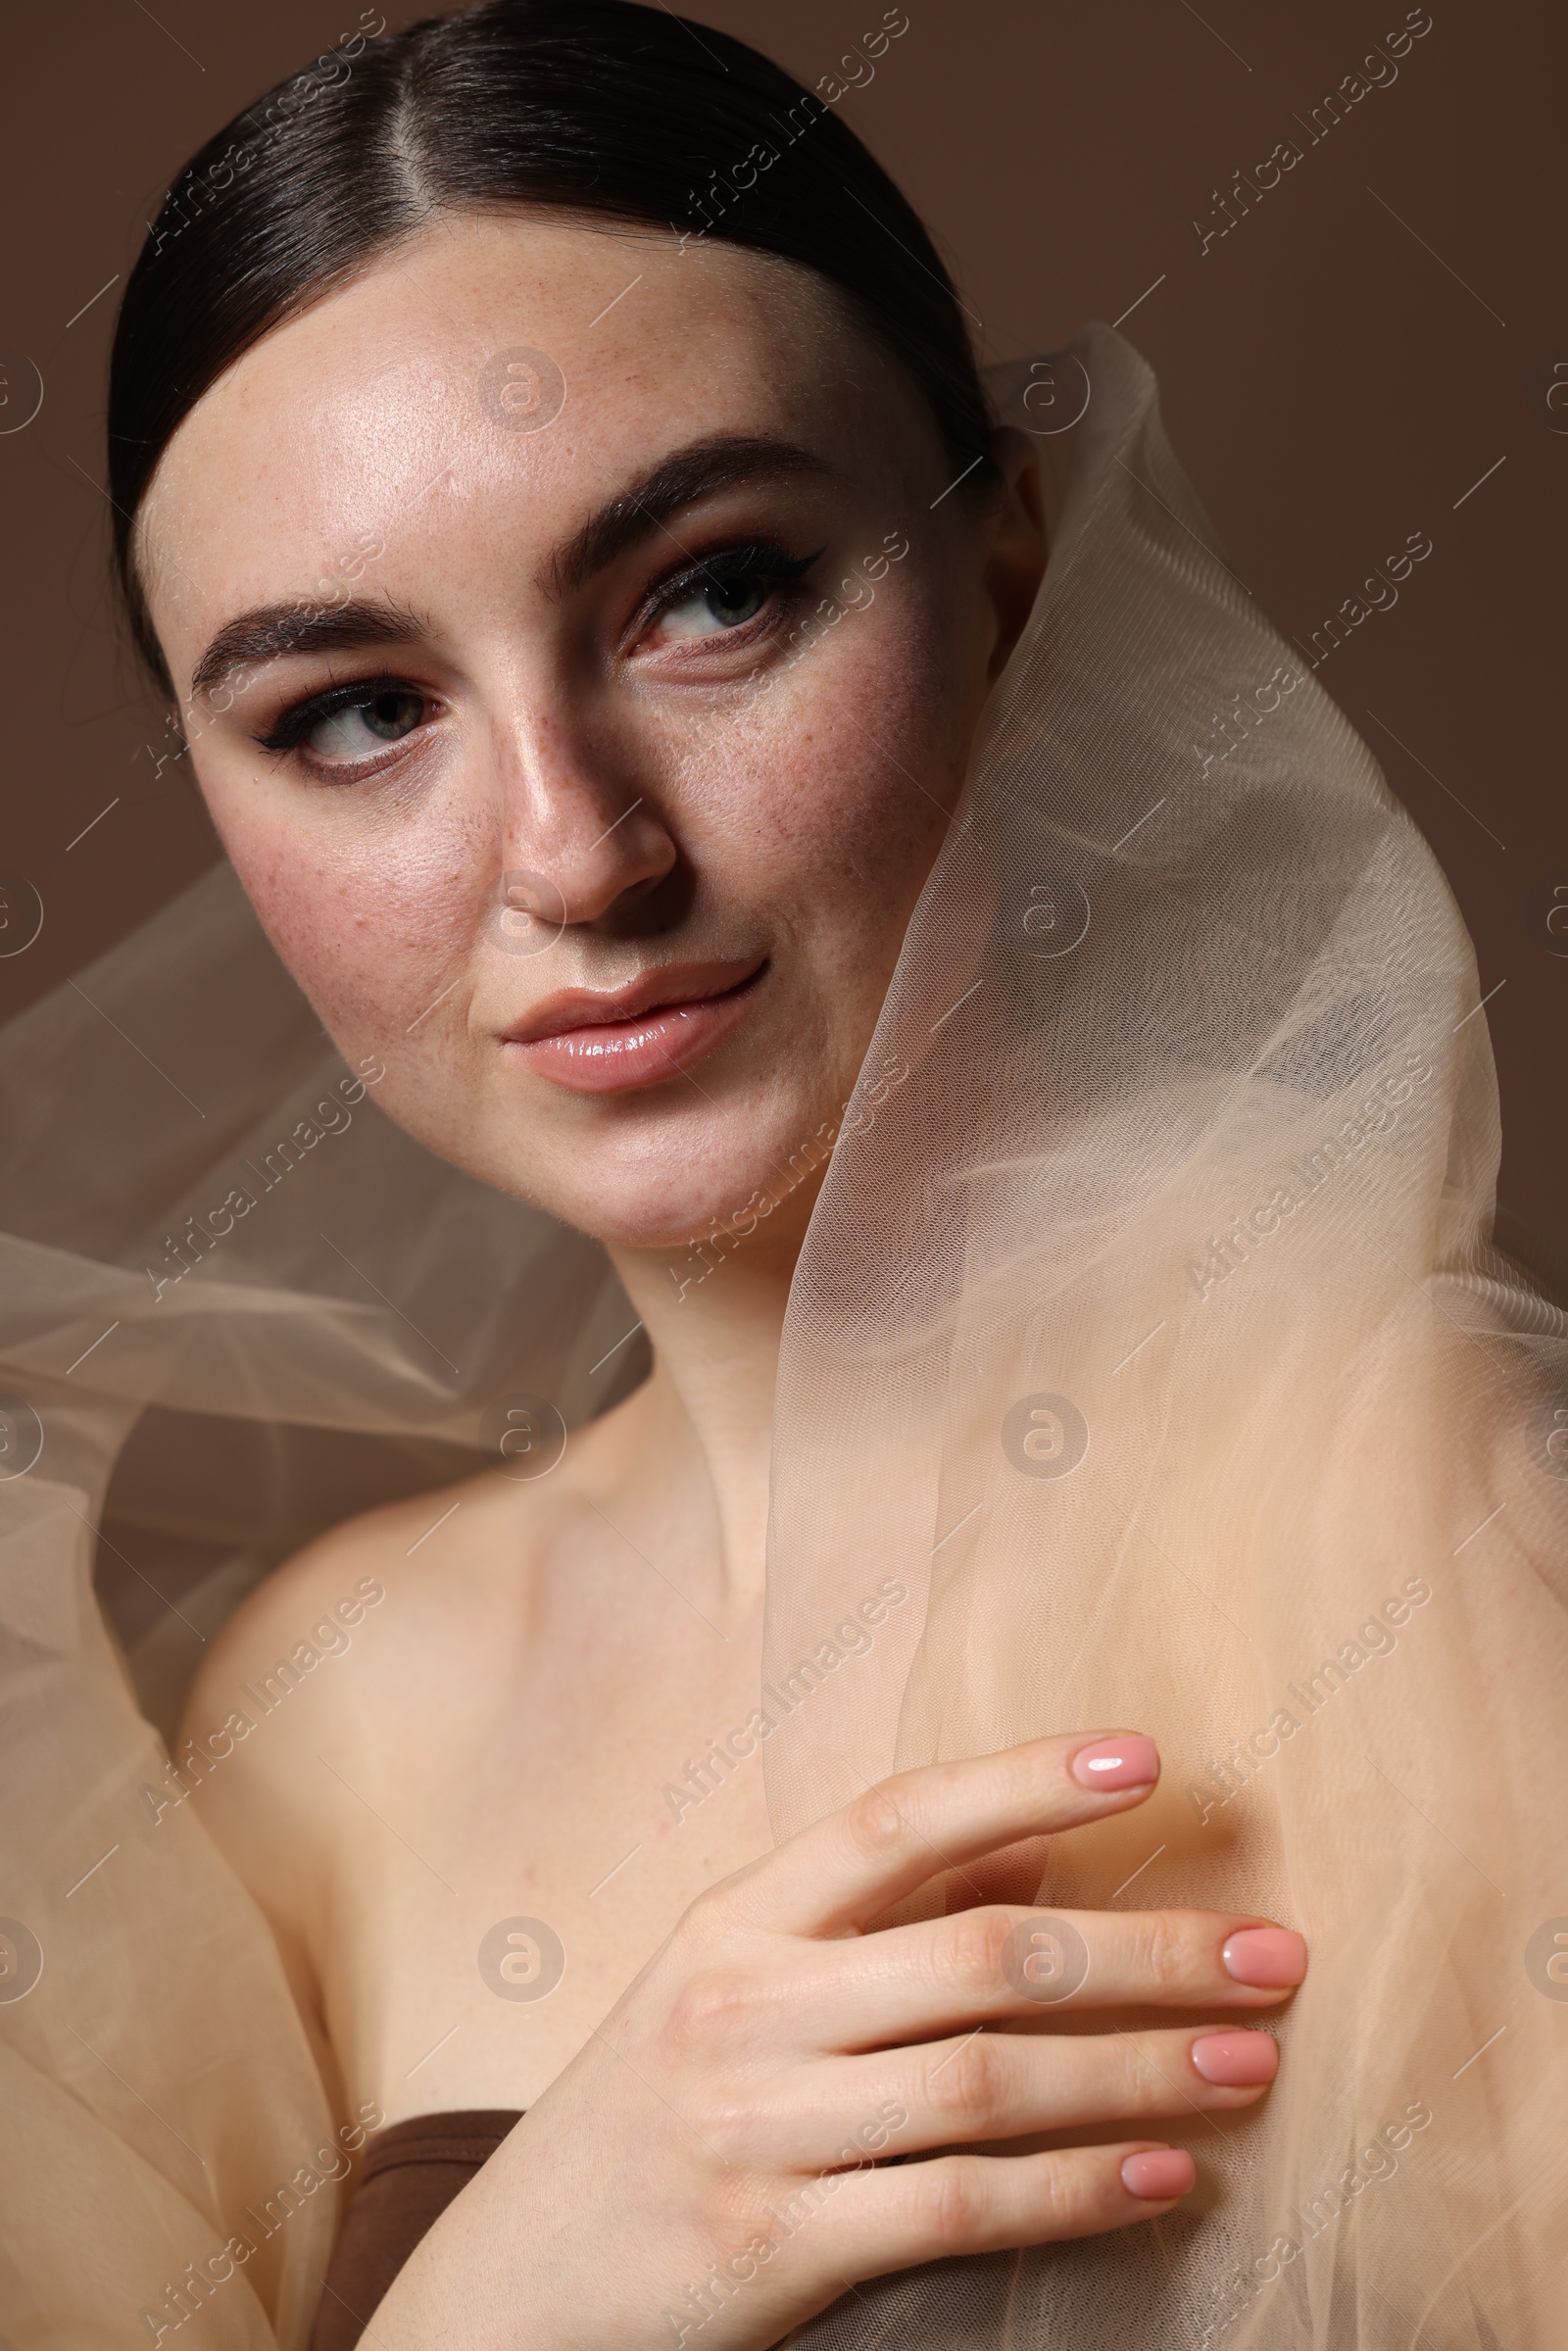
<point x="546" y="1663"/>
<point x="799" y="822"/>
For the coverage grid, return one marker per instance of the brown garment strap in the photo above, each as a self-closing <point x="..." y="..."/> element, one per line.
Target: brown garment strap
<point x="412" y="2174"/>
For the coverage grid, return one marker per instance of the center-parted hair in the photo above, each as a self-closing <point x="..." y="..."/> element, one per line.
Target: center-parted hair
<point x="598" y="109"/>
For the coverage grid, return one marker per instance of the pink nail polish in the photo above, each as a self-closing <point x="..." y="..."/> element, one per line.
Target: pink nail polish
<point x="1159" y="2174"/>
<point x="1266" y="1957"/>
<point x="1113" y="1763"/>
<point x="1236" y="2060"/>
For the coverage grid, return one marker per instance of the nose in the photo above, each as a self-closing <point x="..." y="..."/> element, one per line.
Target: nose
<point x="584" y="839"/>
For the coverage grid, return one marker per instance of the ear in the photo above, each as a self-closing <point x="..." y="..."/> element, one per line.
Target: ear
<point x="1015" y="559"/>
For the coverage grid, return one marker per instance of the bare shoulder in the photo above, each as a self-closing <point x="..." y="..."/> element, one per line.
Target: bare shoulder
<point x="305" y="1676"/>
<point x="353" y="1671"/>
<point x="428" y="1556"/>
<point x="379" y="1620"/>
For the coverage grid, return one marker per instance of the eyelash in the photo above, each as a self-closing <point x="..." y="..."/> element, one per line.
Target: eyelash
<point x="764" y="560"/>
<point x="295" y="724"/>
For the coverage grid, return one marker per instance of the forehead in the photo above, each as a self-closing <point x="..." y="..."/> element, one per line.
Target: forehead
<point x="507" y="357"/>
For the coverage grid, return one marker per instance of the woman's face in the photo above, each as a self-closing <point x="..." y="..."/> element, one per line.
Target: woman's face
<point x="581" y="663"/>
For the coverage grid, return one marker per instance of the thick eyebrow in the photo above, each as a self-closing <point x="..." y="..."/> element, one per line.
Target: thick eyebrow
<point x="271" y="630"/>
<point x="699" y="470"/>
<point x="679" y="480"/>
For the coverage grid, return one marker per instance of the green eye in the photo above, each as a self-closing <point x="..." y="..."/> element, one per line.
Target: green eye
<point x="350" y="723"/>
<point x="732" y="601"/>
<point x="385" y="715"/>
<point x="726" y="591"/>
<point x="715" y="605"/>
<point x="392" y="715"/>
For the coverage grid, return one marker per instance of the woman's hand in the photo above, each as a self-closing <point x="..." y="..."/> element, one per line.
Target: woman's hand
<point x="714" y="2164"/>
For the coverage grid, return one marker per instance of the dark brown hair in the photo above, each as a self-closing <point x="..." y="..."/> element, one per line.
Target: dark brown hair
<point x="598" y="108"/>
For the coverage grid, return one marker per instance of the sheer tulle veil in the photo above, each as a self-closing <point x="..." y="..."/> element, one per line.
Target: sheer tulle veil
<point x="1149" y="1338"/>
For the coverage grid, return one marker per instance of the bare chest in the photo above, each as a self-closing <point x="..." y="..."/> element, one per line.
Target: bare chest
<point x="522" y="1846"/>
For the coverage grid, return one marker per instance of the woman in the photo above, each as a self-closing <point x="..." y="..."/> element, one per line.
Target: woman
<point x="1009" y="1082"/>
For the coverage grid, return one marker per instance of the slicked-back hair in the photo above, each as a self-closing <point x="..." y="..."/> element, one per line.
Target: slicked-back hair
<point x="598" y="109"/>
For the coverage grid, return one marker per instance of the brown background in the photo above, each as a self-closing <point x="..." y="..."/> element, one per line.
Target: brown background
<point x="1337" y="373"/>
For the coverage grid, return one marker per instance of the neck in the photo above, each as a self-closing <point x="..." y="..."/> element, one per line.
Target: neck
<point x="707" y="1413"/>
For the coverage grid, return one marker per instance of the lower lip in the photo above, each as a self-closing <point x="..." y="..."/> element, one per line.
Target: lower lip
<point x="613" y="1056"/>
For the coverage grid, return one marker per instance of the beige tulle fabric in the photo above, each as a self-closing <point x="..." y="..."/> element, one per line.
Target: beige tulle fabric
<point x="1149" y="1331"/>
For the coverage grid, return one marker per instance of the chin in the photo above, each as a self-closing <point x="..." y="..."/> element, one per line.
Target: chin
<point x="741" y="1180"/>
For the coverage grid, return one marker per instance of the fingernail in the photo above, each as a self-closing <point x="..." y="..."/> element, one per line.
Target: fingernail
<point x="1116" y="1763"/>
<point x="1236" y="2060"/>
<point x="1266" y="1957"/>
<point x="1159" y="2174"/>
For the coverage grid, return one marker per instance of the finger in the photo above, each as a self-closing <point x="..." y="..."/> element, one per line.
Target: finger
<point x="983" y="1966"/>
<point x="898" y="2217"/>
<point x="837" y="1874"/>
<point x="997" y="2086"/>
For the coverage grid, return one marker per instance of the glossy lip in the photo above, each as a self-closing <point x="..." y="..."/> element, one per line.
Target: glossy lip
<point x="610" y="1041"/>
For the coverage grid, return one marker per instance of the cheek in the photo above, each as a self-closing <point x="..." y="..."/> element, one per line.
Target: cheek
<point x="809" y="825"/>
<point x="369" y="908"/>
<point x="860" y="770"/>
